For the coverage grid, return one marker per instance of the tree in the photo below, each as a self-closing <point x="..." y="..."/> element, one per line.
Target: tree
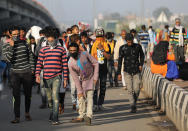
<point x="158" y="11"/>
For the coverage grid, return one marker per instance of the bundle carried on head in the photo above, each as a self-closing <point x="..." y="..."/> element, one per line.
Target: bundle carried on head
<point x="159" y="55"/>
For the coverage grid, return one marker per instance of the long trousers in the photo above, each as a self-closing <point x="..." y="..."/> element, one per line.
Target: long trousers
<point x="18" y="80"/>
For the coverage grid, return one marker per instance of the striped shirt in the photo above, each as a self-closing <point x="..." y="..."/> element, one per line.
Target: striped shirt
<point x="144" y="37"/>
<point x="53" y="62"/>
<point x="20" y="57"/>
<point x="174" y="35"/>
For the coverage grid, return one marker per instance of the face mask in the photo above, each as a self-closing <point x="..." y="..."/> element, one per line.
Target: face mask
<point x="52" y="43"/>
<point x="74" y="55"/>
<point x="15" y="38"/>
<point x="110" y="40"/>
<point x="7" y="36"/>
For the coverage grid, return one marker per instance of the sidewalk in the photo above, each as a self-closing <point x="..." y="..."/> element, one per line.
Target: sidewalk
<point x="116" y="116"/>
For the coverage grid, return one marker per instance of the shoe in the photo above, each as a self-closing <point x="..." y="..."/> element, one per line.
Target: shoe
<point x="124" y="88"/>
<point x="15" y="121"/>
<point x="110" y="86"/>
<point x="56" y="123"/>
<point x="43" y="106"/>
<point x="38" y="90"/>
<point x="28" y="117"/>
<point x="74" y="107"/>
<point x="116" y="84"/>
<point x="77" y="120"/>
<point x="133" y="109"/>
<point x="95" y="108"/>
<point x="87" y="120"/>
<point x="101" y="108"/>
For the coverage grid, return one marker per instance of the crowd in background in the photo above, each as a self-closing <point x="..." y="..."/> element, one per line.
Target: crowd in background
<point x="83" y="61"/>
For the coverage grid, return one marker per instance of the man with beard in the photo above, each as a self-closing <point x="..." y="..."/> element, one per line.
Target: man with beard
<point x="84" y="69"/>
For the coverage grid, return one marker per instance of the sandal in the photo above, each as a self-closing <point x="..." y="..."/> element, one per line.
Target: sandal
<point x="28" y="118"/>
<point x="77" y="120"/>
<point x="15" y="121"/>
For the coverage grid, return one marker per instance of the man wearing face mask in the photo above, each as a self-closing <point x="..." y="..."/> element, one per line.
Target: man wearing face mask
<point x="85" y="70"/>
<point x="53" y="60"/>
<point x="42" y="42"/>
<point x="85" y="42"/>
<point x="110" y="62"/>
<point x="101" y="52"/>
<point x="19" y="55"/>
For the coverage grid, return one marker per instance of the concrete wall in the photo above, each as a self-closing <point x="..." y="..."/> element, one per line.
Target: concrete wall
<point x="168" y="97"/>
<point x="24" y="12"/>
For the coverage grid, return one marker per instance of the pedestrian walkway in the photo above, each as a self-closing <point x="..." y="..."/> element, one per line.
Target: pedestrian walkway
<point x="116" y="116"/>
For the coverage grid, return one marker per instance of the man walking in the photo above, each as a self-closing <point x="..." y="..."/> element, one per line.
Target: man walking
<point x="177" y="39"/>
<point x="133" y="61"/>
<point x="144" y="40"/>
<point x="101" y="52"/>
<point x="119" y="43"/>
<point x="53" y="59"/>
<point x="84" y="70"/>
<point x="19" y="55"/>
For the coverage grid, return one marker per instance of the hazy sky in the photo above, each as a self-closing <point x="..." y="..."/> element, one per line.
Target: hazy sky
<point x="75" y="10"/>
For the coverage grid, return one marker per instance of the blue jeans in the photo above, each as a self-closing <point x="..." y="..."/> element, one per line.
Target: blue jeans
<point x="52" y="91"/>
<point x="145" y="50"/>
<point x="43" y="90"/>
<point x="2" y="70"/>
<point x="110" y="66"/>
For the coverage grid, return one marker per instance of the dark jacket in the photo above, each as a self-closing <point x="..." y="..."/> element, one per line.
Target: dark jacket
<point x="133" y="58"/>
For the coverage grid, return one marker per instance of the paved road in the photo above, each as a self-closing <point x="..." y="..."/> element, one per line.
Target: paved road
<point x="116" y="116"/>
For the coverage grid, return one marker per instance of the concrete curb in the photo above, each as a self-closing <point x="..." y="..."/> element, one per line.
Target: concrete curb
<point x="169" y="97"/>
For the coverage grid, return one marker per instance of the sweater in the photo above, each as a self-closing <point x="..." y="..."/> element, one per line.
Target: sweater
<point x="174" y="35"/>
<point x="20" y="56"/>
<point x="144" y="37"/>
<point x="53" y="62"/>
<point x="84" y="71"/>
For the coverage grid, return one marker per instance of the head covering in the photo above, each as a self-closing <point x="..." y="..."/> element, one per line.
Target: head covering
<point x="178" y="19"/>
<point x="99" y="32"/>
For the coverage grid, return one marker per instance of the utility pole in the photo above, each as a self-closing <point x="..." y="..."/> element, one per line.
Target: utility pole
<point x="142" y="11"/>
<point x="95" y="23"/>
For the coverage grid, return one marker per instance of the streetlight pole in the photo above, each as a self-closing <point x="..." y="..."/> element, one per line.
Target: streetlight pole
<point x="142" y="11"/>
<point x="94" y="14"/>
